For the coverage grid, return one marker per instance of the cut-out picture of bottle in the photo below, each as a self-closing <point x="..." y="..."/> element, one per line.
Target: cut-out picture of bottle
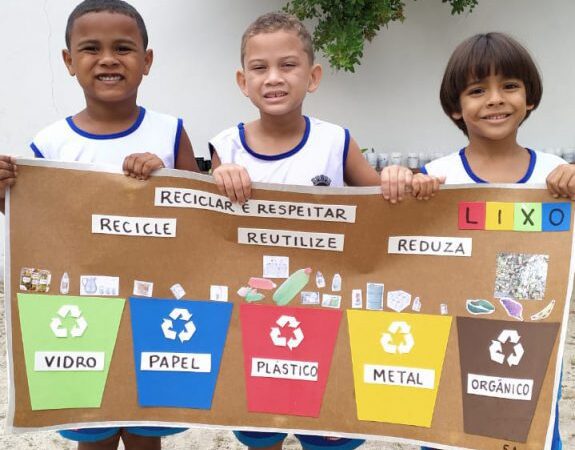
<point x="336" y="283"/>
<point x="319" y="280"/>
<point x="65" y="284"/>
<point x="292" y="286"/>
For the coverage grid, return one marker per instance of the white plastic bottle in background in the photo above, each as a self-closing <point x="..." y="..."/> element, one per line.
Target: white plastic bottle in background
<point x="65" y="284"/>
<point x="423" y="158"/>
<point x="413" y="160"/>
<point x="382" y="160"/>
<point x="395" y="159"/>
<point x="371" y="157"/>
<point x="569" y="154"/>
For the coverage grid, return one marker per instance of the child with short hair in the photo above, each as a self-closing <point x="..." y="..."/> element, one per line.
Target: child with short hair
<point x="106" y="50"/>
<point x="490" y="86"/>
<point x="284" y="146"/>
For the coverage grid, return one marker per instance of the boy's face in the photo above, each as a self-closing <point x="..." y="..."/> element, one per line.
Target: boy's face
<point x="277" y="73"/>
<point x="493" y="108"/>
<point x="107" y="56"/>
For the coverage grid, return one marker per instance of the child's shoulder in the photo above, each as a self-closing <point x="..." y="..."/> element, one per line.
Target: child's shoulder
<point x="52" y="134"/>
<point x="156" y="116"/>
<point x="230" y="133"/>
<point x="548" y="158"/>
<point x="55" y="128"/>
<point x="452" y="161"/>
<point x="542" y="164"/>
<point x="323" y="125"/>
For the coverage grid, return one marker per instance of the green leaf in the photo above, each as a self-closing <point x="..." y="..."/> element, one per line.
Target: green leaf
<point x="344" y="26"/>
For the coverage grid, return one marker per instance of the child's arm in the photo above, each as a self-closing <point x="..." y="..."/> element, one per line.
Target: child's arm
<point x="186" y="159"/>
<point x="357" y="170"/>
<point x="8" y="174"/>
<point x="394" y="180"/>
<point x="561" y="181"/>
<point x="232" y="180"/>
<point x="141" y="165"/>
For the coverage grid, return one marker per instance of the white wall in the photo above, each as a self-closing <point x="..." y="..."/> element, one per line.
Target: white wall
<point x="390" y="103"/>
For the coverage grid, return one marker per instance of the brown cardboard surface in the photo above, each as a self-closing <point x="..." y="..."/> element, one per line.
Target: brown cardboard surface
<point x="50" y="228"/>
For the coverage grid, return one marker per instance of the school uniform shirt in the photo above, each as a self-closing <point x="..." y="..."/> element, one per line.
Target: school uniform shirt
<point x="151" y="132"/>
<point x="317" y="160"/>
<point x="457" y="170"/>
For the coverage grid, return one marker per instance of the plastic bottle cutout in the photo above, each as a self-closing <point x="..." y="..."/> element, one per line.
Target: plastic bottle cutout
<point x="292" y="286"/>
<point x="319" y="280"/>
<point x="261" y="283"/>
<point x="336" y="283"/>
<point x="65" y="284"/>
<point x="254" y="296"/>
<point x="243" y="291"/>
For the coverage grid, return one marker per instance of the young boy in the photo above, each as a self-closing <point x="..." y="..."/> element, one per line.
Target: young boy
<point x="490" y="86"/>
<point x="283" y="146"/>
<point x="107" y="52"/>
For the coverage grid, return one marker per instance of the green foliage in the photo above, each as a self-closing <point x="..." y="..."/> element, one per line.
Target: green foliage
<point x="343" y="26"/>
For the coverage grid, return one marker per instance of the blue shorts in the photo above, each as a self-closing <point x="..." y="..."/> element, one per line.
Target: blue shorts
<point x="259" y="439"/>
<point x="99" y="434"/>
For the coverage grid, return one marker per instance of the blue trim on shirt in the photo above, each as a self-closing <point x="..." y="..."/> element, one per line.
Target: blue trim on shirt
<point x="36" y="150"/>
<point x="524" y="179"/>
<point x="531" y="167"/>
<point x="467" y="167"/>
<point x="177" y="141"/>
<point x="287" y="154"/>
<point x="423" y="170"/>
<point x="346" y="148"/>
<point x="124" y="133"/>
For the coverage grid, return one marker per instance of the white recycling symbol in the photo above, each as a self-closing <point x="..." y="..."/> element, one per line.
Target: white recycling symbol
<point x="496" y="349"/>
<point x="281" y="341"/>
<point x="189" y="327"/>
<point x="387" y="338"/>
<point x="80" y="324"/>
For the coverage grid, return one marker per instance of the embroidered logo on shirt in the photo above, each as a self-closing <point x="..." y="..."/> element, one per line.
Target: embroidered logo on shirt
<point x="321" y="180"/>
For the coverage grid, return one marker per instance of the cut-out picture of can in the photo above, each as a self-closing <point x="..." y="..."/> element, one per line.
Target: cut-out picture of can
<point x="374" y="296"/>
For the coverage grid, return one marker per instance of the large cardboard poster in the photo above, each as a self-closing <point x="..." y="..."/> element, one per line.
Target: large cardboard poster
<point x="318" y="311"/>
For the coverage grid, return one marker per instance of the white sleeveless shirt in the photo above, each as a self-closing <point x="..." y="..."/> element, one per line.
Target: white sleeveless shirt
<point x="318" y="159"/>
<point x="152" y="132"/>
<point x="457" y="170"/>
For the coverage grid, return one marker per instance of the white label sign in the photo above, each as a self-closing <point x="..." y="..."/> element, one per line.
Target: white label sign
<point x="191" y="198"/>
<point x="176" y="362"/>
<point x="133" y="226"/>
<point x="399" y="376"/>
<point x="69" y="361"/>
<point x="510" y="388"/>
<point x="430" y="245"/>
<point x="285" y="369"/>
<point x="293" y="239"/>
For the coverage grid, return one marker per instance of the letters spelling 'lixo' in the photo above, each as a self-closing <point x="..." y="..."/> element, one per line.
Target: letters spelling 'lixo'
<point x="507" y="216"/>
